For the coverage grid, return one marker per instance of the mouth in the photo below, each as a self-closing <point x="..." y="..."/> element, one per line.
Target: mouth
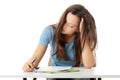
<point x="63" y="31"/>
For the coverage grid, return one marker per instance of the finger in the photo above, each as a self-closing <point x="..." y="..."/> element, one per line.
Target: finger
<point x="82" y="19"/>
<point x="34" y="61"/>
<point x="29" y="69"/>
<point x="30" y="65"/>
<point x="81" y="24"/>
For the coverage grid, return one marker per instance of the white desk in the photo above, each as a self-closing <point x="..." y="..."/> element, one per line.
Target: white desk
<point x="83" y="73"/>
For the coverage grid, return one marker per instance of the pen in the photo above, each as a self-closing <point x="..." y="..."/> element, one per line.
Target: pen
<point x="32" y="63"/>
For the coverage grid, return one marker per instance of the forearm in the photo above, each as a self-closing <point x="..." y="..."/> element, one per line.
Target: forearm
<point x="88" y="59"/>
<point x="35" y="59"/>
<point x="88" y="56"/>
<point x="39" y="53"/>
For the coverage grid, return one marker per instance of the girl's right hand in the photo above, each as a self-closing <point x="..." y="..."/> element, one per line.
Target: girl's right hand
<point x="29" y="66"/>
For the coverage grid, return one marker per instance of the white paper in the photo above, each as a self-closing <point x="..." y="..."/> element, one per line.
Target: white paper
<point x="53" y="68"/>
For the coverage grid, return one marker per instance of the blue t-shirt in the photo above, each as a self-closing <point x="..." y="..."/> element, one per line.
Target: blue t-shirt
<point x="47" y="37"/>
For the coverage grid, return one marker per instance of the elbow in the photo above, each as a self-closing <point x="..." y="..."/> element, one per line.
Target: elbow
<point x="89" y="66"/>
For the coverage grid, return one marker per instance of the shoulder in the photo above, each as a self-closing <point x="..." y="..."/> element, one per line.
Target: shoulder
<point x="49" y="31"/>
<point x="50" y="28"/>
<point x="47" y="35"/>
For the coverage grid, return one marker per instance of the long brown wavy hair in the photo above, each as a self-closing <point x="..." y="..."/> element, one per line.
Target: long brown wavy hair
<point x="88" y="33"/>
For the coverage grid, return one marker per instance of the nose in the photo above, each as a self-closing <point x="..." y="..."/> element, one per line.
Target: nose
<point x="65" y="27"/>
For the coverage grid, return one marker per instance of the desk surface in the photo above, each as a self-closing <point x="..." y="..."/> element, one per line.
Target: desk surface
<point x="83" y="73"/>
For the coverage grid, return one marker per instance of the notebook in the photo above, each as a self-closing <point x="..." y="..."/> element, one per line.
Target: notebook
<point x="54" y="69"/>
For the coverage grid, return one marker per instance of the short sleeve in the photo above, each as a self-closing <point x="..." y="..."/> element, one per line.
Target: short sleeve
<point x="45" y="36"/>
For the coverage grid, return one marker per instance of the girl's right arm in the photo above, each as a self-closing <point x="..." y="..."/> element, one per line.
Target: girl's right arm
<point x="35" y="59"/>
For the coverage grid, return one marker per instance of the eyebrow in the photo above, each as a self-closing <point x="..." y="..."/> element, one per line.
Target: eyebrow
<point x="72" y="24"/>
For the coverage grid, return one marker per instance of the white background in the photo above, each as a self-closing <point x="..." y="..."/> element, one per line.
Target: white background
<point x="22" y="21"/>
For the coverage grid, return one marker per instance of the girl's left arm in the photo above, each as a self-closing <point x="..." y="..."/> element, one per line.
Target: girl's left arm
<point x="88" y="58"/>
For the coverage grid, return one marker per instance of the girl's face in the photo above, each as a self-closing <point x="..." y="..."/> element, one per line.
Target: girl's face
<point x="71" y="25"/>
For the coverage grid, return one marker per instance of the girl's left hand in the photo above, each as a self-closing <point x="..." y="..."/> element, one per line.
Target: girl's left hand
<point x="81" y="25"/>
